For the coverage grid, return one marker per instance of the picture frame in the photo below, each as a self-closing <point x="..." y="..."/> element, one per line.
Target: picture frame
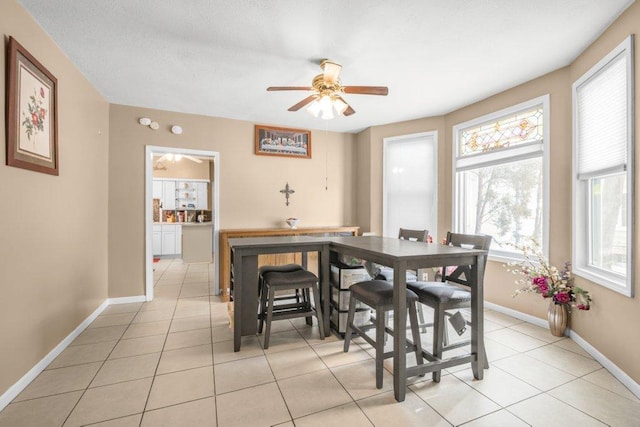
<point x="32" y="112"/>
<point x="283" y="142"/>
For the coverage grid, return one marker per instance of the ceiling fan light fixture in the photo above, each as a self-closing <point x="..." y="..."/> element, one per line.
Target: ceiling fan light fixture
<point x="339" y="105"/>
<point x="325" y="103"/>
<point x="328" y="114"/>
<point x="314" y="109"/>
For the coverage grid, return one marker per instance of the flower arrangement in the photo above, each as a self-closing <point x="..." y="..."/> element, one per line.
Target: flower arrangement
<point x="34" y="120"/>
<point x="537" y="276"/>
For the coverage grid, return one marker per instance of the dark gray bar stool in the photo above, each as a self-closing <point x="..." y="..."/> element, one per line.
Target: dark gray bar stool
<point x="262" y="297"/>
<point x="285" y="281"/>
<point x="453" y="295"/>
<point x="378" y="294"/>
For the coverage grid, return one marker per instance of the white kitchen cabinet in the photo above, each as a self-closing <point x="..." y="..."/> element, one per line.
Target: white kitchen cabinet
<point x="168" y="241"/>
<point x="201" y="195"/>
<point x="157" y="189"/>
<point x="171" y="239"/>
<point x="168" y="195"/>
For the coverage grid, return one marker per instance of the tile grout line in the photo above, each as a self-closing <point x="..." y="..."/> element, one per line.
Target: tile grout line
<point x="161" y="352"/>
<point x="213" y="361"/>
<point x="98" y="371"/>
<point x="561" y="401"/>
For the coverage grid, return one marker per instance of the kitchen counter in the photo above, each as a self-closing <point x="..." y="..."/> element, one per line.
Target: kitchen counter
<point x="197" y="241"/>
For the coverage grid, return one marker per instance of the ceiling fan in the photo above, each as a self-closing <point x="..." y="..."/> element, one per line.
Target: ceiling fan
<point x="328" y="92"/>
<point x="172" y="158"/>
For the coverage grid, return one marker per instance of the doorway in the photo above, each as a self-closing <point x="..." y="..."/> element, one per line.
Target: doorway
<point x="214" y="158"/>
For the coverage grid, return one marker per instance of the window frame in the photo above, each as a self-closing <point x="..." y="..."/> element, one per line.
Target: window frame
<point x="581" y="194"/>
<point x="522" y="151"/>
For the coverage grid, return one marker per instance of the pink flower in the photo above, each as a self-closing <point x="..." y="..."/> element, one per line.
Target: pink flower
<point x="543" y="289"/>
<point x="540" y="280"/>
<point x="583" y="307"/>
<point x="562" y="298"/>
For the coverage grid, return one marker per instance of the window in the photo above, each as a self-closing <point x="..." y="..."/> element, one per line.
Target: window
<point x="500" y="177"/>
<point x="603" y="171"/>
<point x="409" y="186"/>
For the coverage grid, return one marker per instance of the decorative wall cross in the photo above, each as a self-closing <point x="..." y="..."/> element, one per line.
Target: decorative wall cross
<point x="287" y="191"/>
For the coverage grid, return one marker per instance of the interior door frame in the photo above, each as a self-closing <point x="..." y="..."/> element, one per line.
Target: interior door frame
<point x="214" y="156"/>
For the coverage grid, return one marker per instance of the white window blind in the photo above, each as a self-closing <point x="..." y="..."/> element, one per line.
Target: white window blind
<point x="410" y="183"/>
<point x="602" y="112"/>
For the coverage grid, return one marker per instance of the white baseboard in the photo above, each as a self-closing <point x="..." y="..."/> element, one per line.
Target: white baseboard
<point x="517" y="314"/>
<point x="127" y="300"/>
<point x="620" y="375"/>
<point x="23" y="382"/>
<point x="614" y="370"/>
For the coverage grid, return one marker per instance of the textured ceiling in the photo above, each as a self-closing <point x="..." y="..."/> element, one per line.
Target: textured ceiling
<point x="217" y="57"/>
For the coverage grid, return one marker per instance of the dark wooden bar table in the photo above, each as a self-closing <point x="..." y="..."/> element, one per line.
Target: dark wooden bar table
<point x="398" y="254"/>
<point x="403" y="255"/>
<point x="244" y="253"/>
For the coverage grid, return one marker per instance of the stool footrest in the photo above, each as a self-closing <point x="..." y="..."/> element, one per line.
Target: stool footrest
<point x="280" y="307"/>
<point x="293" y="314"/>
<point x="362" y="329"/>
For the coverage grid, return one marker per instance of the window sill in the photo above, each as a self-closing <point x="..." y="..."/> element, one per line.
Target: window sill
<point x="616" y="284"/>
<point x="505" y="259"/>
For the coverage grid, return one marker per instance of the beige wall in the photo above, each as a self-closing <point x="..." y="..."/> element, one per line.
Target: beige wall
<point x="53" y="256"/>
<point x="363" y="180"/>
<point x="182" y="169"/>
<point x="610" y="324"/>
<point x="249" y="185"/>
<point x="370" y="149"/>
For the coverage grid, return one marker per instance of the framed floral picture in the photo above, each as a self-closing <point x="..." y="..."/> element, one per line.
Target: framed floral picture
<point x="32" y="128"/>
<point x="275" y="141"/>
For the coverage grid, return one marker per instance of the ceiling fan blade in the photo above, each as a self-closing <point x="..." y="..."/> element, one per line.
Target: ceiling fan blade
<point x="347" y="111"/>
<point x="163" y="158"/>
<point x="331" y="72"/>
<point x="275" y="88"/>
<point x="367" y="90"/>
<point x="299" y="105"/>
<point x="193" y="159"/>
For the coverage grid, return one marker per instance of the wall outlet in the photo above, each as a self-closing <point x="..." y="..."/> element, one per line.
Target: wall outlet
<point x="425" y="277"/>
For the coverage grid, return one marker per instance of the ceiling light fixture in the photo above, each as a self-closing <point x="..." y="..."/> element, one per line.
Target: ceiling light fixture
<point x="327" y="107"/>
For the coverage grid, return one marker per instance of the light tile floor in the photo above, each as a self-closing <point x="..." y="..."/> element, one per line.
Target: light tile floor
<point x="170" y="362"/>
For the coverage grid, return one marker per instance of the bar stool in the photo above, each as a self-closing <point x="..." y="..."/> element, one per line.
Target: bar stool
<point x="286" y="281"/>
<point x="287" y="268"/>
<point x="378" y="294"/>
<point x="443" y="296"/>
<point x="386" y="273"/>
